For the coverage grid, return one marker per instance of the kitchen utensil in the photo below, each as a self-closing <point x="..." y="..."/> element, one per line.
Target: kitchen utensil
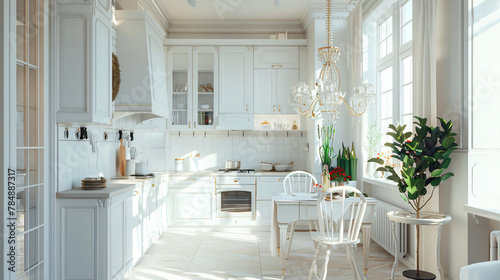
<point x="133" y="153"/>
<point x="130" y="169"/>
<point x="193" y="164"/>
<point x="233" y="164"/>
<point x="265" y="166"/>
<point x="122" y="158"/>
<point x="179" y="164"/>
<point x="266" y="125"/>
<point x="280" y="167"/>
<point x="141" y="168"/>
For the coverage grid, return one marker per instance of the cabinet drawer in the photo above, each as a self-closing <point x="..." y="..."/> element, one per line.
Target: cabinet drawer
<point x="195" y="182"/>
<point x="231" y="180"/>
<point x="276" y="57"/>
<point x="308" y="212"/>
<point x="266" y="187"/>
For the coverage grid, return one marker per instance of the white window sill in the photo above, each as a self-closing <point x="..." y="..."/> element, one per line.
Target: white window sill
<point x="382" y="182"/>
<point x="492" y="214"/>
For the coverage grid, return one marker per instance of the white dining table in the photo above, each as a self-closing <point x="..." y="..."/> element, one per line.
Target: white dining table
<point x="287" y="208"/>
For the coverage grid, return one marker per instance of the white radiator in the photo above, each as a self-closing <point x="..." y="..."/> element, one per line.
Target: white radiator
<point x="494" y="240"/>
<point x="382" y="231"/>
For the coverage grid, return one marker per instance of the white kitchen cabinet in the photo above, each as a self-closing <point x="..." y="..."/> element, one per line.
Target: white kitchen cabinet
<point x="193" y="87"/>
<point x="92" y="236"/>
<point x="236" y="83"/>
<point x="84" y="46"/>
<point x="162" y="203"/>
<point x="276" y="57"/>
<point x="133" y="245"/>
<point x="150" y="219"/>
<point x="271" y="90"/>
<point x="191" y="201"/>
<point x="266" y="187"/>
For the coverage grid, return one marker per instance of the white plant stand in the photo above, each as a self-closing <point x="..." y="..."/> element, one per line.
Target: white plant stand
<point x="426" y="219"/>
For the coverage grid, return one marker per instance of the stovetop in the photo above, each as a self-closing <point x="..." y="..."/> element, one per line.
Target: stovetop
<point x="135" y="176"/>
<point x="236" y="171"/>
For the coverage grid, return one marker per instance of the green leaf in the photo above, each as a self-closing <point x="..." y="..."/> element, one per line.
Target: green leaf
<point x="447" y="142"/>
<point x="377" y="160"/>
<point x="437" y="172"/>
<point x="423" y="191"/>
<point x="446" y="163"/>
<point x="381" y="169"/>
<point x="436" y="182"/>
<point x="404" y="197"/>
<point x="393" y="178"/>
<point x="446" y="176"/>
<point x="448" y="152"/>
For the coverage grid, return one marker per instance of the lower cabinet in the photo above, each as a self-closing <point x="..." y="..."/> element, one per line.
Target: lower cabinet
<point x="104" y="238"/>
<point x="191" y="201"/>
<point x="266" y="187"/>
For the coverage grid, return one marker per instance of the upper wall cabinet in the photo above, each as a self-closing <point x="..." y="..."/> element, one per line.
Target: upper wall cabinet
<point x="84" y="62"/>
<point x="235" y="87"/>
<point x="193" y="86"/>
<point x="276" y="57"/>
<point x="143" y="89"/>
<point x="271" y="88"/>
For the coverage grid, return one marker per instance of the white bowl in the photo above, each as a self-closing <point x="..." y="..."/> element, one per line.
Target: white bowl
<point x="289" y="167"/>
<point x="266" y="166"/>
<point x="181" y="106"/>
<point x="204" y="106"/>
<point x="280" y="167"/>
<point x="266" y="126"/>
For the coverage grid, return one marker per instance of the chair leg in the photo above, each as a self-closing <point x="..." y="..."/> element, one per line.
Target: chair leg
<point x="350" y="258"/>
<point x="314" y="265"/>
<point x="292" y="231"/>
<point x="356" y="269"/>
<point x="311" y="228"/>
<point x="325" y="266"/>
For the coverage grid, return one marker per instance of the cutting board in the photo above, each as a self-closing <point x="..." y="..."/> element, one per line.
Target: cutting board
<point x="122" y="162"/>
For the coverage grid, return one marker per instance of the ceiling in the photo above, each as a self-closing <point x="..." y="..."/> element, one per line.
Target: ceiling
<point x="242" y="10"/>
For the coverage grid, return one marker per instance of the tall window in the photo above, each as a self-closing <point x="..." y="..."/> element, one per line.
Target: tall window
<point x="394" y="67"/>
<point x="30" y="140"/>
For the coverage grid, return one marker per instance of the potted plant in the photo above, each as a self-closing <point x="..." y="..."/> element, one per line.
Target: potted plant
<point x="425" y="155"/>
<point x="339" y="176"/>
<point x="327" y="134"/>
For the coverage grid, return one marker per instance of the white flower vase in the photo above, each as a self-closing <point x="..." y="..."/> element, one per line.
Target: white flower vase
<point x="370" y="170"/>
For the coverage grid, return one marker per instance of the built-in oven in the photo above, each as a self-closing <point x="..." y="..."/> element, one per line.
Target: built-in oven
<point x="236" y="197"/>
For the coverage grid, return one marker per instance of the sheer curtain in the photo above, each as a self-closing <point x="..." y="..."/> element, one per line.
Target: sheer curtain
<point x="355" y="64"/>
<point x="425" y="105"/>
<point x="424" y="60"/>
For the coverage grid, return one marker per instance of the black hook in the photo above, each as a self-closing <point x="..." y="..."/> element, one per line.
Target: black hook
<point x="120" y="133"/>
<point x="131" y="136"/>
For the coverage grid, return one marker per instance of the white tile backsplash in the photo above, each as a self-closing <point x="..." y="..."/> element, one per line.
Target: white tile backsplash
<point x="76" y="160"/>
<point x="251" y="148"/>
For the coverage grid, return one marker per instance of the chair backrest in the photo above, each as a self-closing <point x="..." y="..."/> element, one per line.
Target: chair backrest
<point x="299" y="182"/>
<point x="340" y="218"/>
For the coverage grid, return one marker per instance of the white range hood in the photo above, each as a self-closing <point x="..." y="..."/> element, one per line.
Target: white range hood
<point x="140" y="51"/>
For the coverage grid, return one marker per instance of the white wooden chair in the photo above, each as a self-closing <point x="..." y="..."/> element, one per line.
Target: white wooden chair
<point x="339" y="221"/>
<point x="298" y="182"/>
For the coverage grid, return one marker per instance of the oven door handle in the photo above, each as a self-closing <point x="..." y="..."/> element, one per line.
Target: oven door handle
<point x="220" y="190"/>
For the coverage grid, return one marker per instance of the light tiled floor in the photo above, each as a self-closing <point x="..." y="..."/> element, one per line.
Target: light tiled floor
<point x="244" y="254"/>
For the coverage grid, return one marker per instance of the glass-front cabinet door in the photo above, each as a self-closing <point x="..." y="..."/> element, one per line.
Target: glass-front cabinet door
<point x="180" y="81"/>
<point x="205" y="87"/>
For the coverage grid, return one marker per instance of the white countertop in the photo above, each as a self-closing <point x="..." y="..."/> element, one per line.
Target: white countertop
<point x="214" y="173"/>
<point x="111" y="189"/>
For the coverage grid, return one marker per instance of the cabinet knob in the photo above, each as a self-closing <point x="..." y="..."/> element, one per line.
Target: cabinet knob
<point x="189" y="125"/>
<point x="279" y="108"/>
<point x="136" y="193"/>
<point x="274" y="108"/>
<point x="154" y="185"/>
<point x="246" y="107"/>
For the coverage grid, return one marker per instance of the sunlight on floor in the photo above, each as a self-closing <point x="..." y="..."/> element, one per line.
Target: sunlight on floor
<point x="244" y="254"/>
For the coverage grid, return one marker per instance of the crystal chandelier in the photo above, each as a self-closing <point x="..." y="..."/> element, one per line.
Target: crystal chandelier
<point x="325" y="99"/>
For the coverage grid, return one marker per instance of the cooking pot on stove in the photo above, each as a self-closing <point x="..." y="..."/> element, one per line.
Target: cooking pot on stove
<point x="141" y="168"/>
<point x="233" y="164"/>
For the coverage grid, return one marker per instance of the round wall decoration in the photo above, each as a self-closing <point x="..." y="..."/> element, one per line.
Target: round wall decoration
<point x="116" y="76"/>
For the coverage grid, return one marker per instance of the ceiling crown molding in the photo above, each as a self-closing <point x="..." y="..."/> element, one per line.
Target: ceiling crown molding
<point x="159" y="13"/>
<point x="236" y="27"/>
<point x="317" y="11"/>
